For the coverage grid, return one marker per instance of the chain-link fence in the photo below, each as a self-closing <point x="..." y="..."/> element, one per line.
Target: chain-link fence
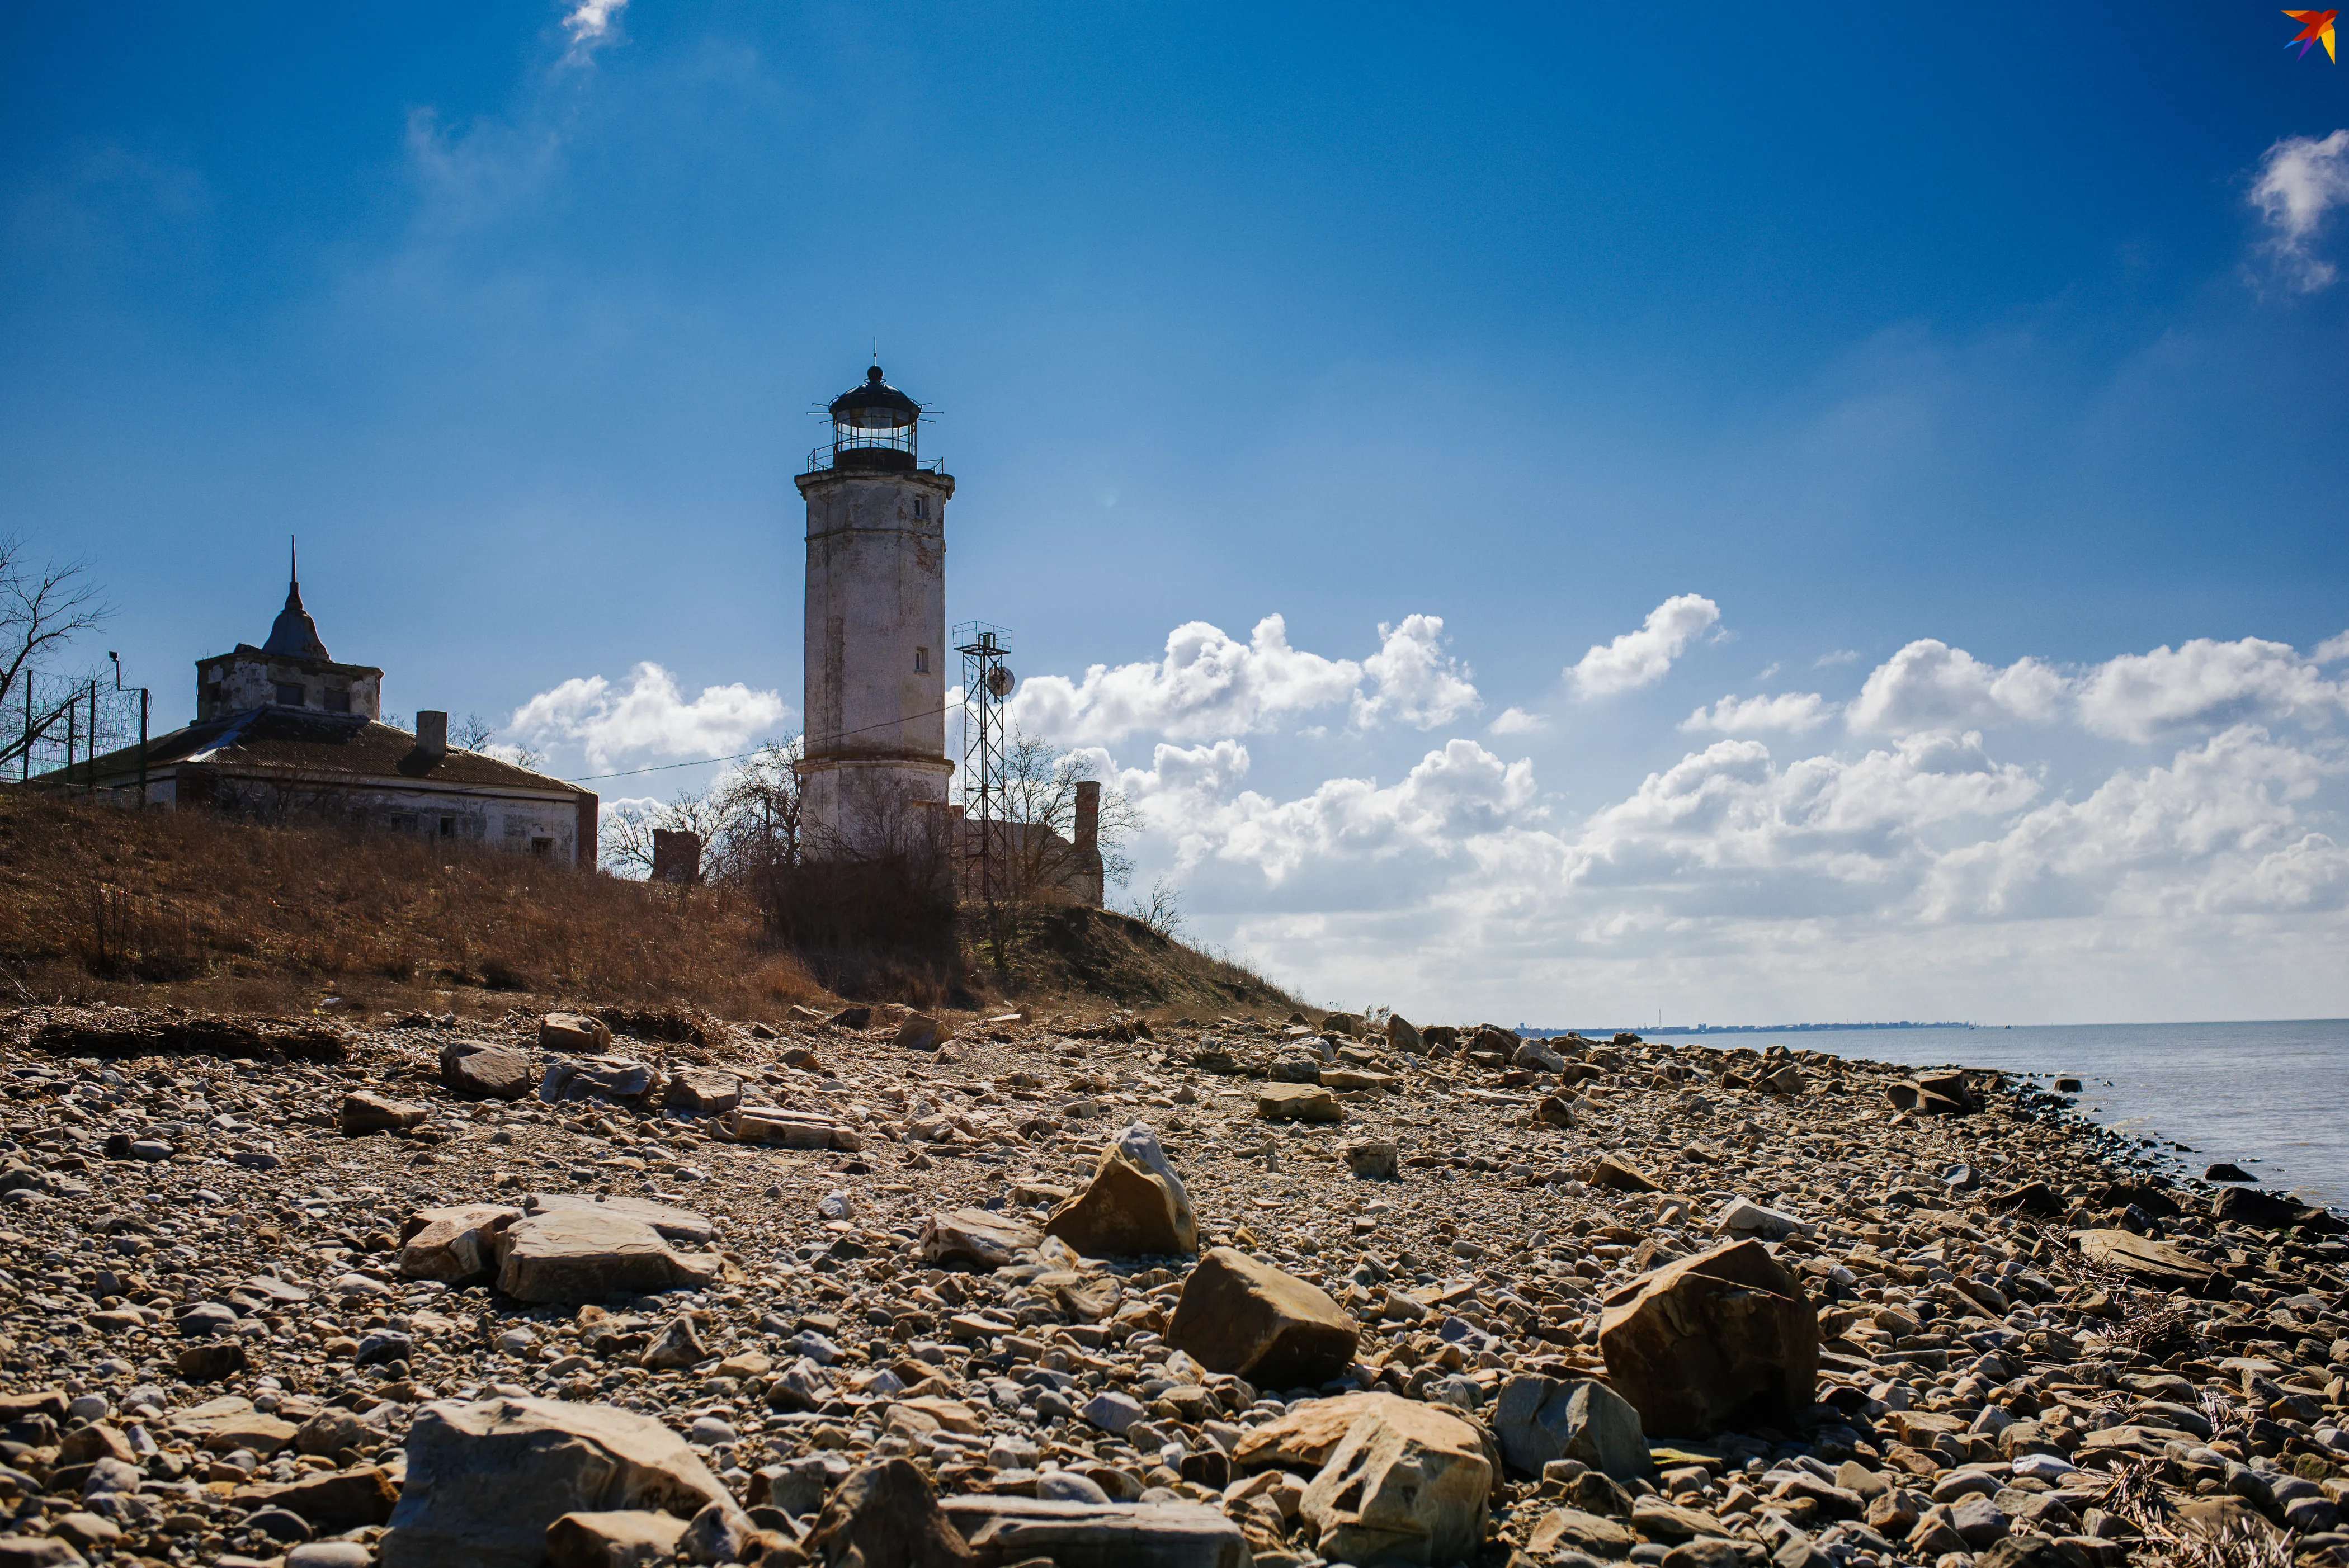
<point x="52" y="724"/>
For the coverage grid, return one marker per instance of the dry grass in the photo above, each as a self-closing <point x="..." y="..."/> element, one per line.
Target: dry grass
<point x="187" y="908"/>
<point x="183" y="907"/>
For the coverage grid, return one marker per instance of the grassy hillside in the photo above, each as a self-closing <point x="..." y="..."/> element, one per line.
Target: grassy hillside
<point x="96" y="904"/>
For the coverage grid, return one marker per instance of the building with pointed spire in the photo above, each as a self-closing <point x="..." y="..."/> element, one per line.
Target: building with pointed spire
<point x="292" y="669"/>
<point x="283" y="731"/>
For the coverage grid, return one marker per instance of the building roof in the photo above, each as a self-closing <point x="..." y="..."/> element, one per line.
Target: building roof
<point x="293" y="632"/>
<point x="876" y="405"/>
<point x="302" y="740"/>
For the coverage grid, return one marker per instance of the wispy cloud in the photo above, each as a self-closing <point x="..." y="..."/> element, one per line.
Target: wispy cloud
<point x="589" y="22"/>
<point x="1643" y="658"/>
<point x="1795" y="713"/>
<point x="2301" y="180"/>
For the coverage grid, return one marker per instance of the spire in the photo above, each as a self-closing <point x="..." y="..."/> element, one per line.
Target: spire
<point x="293" y="632"/>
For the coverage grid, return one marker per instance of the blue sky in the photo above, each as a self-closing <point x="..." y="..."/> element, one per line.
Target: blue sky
<point x="2012" y="331"/>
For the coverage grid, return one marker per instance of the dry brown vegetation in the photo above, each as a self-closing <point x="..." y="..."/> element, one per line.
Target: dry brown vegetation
<point x="100" y="905"/>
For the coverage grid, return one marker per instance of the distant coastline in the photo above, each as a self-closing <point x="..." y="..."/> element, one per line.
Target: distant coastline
<point x="1537" y="1032"/>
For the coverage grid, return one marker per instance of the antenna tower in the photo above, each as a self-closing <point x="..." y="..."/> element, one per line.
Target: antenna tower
<point x="987" y="684"/>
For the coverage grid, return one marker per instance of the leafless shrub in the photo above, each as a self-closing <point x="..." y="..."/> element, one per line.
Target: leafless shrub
<point x="1162" y="910"/>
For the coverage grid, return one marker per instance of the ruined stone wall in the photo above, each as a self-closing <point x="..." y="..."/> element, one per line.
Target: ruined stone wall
<point x="249" y="678"/>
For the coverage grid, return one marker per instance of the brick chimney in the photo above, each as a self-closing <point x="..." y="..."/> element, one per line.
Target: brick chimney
<point x="432" y="733"/>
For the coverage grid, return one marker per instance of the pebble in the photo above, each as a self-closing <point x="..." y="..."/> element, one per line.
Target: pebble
<point x="1973" y="1363"/>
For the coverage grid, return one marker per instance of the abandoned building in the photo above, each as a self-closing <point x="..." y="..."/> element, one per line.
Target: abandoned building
<point x="283" y="731"/>
<point x="874" y="770"/>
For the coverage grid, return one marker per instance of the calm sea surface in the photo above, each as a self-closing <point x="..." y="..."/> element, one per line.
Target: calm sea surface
<point x="2272" y="1097"/>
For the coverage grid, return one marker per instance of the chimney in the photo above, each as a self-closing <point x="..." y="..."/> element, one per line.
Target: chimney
<point x="1088" y="820"/>
<point x="432" y="733"/>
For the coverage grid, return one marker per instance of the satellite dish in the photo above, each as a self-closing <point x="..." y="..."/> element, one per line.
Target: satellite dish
<point x="999" y="681"/>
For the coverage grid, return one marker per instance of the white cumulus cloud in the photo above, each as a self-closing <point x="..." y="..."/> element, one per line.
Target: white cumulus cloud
<point x="2300" y="180"/>
<point x="1929" y="684"/>
<point x="1795" y="713"/>
<point x="2332" y="650"/>
<point x="648" y="716"/>
<point x="1413" y="679"/>
<point x="1518" y="721"/>
<point x="1211" y="685"/>
<point x="2204" y="685"/>
<point x="1641" y="658"/>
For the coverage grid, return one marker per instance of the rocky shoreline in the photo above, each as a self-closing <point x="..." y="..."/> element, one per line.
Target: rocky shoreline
<point x="640" y="1288"/>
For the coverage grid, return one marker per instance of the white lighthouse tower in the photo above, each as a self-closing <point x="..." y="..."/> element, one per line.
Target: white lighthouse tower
<point x="875" y="766"/>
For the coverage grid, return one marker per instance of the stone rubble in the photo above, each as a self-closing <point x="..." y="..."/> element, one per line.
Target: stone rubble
<point x="550" y="1290"/>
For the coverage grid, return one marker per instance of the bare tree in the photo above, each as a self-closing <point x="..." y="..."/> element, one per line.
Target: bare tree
<point x="1033" y="858"/>
<point x="759" y="809"/>
<point x="40" y="611"/>
<point x="474" y="733"/>
<point x="747" y="822"/>
<point x="1161" y="909"/>
<point x="625" y="838"/>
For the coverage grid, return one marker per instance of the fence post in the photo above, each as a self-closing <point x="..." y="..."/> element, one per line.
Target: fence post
<point x="91" y="789"/>
<point x="143" y="749"/>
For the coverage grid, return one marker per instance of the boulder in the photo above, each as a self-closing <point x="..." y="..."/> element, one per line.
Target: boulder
<point x="1536" y="1056"/>
<point x="974" y="1238"/>
<point x="455" y="1245"/>
<point x="1621" y="1176"/>
<point x="577" y="1033"/>
<point x="1725" y="1338"/>
<point x="1744" y="1217"/>
<point x="1941" y="1094"/>
<point x="1298" y="1102"/>
<point x="625" y="1538"/>
<point x="679" y="1345"/>
<point x="1249" y="1319"/>
<point x="1553" y="1111"/>
<point x="485" y="1481"/>
<point x="703" y="1092"/>
<point x="1295" y="1067"/>
<point x="1539" y="1419"/>
<point x="472" y="1071"/>
<point x="921" y="1032"/>
<point x="1401" y="1037"/>
<point x="2270" y="1211"/>
<point x="1407" y="1485"/>
<point x="39" y="1551"/>
<point x="1004" y="1530"/>
<point x="2156" y="1263"/>
<point x="1133" y="1206"/>
<point x="595" y="1077"/>
<point x="1572" y="1530"/>
<point x="673" y="1223"/>
<point x="331" y="1502"/>
<point x="886" y="1515"/>
<point x="581" y="1254"/>
<point x="365" y="1111"/>
<point x="1376" y="1160"/>
<point x="789" y="1128"/>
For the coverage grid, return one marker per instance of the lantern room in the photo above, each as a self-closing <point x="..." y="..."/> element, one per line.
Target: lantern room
<point x="874" y="427"/>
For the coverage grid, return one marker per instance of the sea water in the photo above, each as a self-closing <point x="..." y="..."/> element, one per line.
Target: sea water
<point x="2272" y="1098"/>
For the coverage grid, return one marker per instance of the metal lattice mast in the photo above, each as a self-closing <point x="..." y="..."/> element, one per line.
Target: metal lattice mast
<point x="986" y="682"/>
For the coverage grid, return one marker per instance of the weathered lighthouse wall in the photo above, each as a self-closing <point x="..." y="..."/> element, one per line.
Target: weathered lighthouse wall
<point x="876" y="653"/>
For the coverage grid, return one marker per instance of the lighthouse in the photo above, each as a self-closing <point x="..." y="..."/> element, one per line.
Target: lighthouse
<point x="874" y="769"/>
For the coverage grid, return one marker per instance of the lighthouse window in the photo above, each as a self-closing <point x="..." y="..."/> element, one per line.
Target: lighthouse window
<point x="921" y="506"/>
<point x="289" y="695"/>
<point x="921" y="661"/>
